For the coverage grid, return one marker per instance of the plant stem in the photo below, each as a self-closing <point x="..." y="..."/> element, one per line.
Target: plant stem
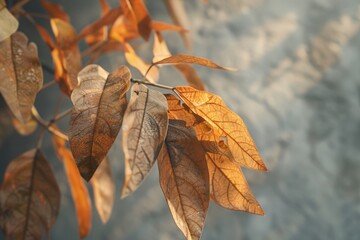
<point x="48" y="84"/>
<point x="47" y="125"/>
<point x="152" y="84"/>
<point x="61" y="115"/>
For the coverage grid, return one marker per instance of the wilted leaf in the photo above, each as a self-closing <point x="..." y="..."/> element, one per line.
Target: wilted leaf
<point x="230" y="126"/>
<point x="55" y="10"/>
<point x="134" y="60"/>
<point x="29" y="197"/>
<point x="20" y="74"/>
<point x="182" y="58"/>
<point x="184" y="179"/>
<point x="144" y="131"/>
<point x="26" y="128"/>
<point x="99" y="104"/>
<point x="104" y="190"/>
<point x="66" y="55"/>
<point x="78" y="189"/>
<point x="178" y="14"/>
<point x="8" y="22"/>
<point x="162" y="26"/>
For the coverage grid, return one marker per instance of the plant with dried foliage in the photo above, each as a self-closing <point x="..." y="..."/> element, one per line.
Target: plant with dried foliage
<point x="199" y="143"/>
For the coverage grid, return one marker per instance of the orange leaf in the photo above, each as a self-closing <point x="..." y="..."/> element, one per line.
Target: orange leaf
<point x="21" y="75"/>
<point x="104" y="190"/>
<point x="142" y="16"/>
<point x="230" y="126"/>
<point x="162" y="26"/>
<point x="160" y="49"/>
<point x="26" y="128"/>
<point x="55" y="10"/>
<point x="184" y="179"/>
<point x="66" y="55"/>
<point x="99" y="104"/>
<point x="78" y="189"/>
<point x="144" y="131"/>
<point x="29" y="197"/>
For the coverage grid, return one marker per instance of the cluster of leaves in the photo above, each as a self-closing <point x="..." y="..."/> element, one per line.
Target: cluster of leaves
<point x="199" y="143"/>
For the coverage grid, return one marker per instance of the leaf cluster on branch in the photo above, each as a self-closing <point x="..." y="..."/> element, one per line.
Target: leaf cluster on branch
<point x="199" y="144"/>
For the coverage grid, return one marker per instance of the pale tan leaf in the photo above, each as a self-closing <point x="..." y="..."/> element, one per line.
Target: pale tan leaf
<point x="160" y="49"/>
<point x="9" y="24"/>
<point x="144" y="131"/>
<point x="29" y="197"/>
<point x="99" y="104"/>
<point x="20" y="74"/>
<point x="134" y="60"/>
<point x="26" y="128"/>
<point x="178" y="14"/>
<point x="228" y="124"/>
<point x="104" y="190"/>
<point x="78" y="189"/>
<point x="184" y="179"/>
<point x="55" y="10"/>
<point x="66" y="55"/>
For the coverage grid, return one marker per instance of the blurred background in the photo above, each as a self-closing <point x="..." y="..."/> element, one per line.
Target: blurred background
<point x="298" y="91"/>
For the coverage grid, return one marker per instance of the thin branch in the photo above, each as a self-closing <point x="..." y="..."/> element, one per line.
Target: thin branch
<point x="48" y="69"/>
<point x="62" y="115"/>
<point x="19" y="5"/>
<point x="47" y="125"/>
<point x="152" y="84"/>
<point x="48" y="84"/>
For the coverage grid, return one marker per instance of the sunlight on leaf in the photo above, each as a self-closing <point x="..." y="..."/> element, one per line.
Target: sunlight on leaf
<point x="9" y="24"/>
<point x="55" y="10"/>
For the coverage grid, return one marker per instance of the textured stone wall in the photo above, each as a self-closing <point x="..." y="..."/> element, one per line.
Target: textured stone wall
<point x="298" y="90"/>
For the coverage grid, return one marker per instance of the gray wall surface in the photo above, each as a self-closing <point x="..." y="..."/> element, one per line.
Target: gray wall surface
<point x="298" y="91"/>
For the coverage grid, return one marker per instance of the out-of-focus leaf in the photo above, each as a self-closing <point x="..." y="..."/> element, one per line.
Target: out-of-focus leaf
<point x="45" y="36"/>
<point x="66" y="55"/>
<point x="160" y="49"/>
<point x="184" y="179"/>
<point x="144" y="131"/>
<point x="99" y="104"/>
<point x="104" y="190"/>
<point x="178" y="14"/>
<point x="162" y="26"/>
<point x="78" y="189"/>
<point x="134" y="60"/>
<point x="26" y="128"/>
<point x="107" y="19"/>
<point x="123" y="30"/>
<point x="55" y="10"/>
<point x="8" y="22"/>
<point x="138" y="9"/>
<point x="29" y="197"/>
<point x="21" y="75"/>
<point x="188" y="59"/>
<point x="228" y="124"/>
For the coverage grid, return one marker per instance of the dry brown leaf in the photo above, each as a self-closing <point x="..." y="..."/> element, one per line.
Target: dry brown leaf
<point x="230" y="126"/>
<point x="9" y="24"/>
<point x="123" y="30"/>
<point x="78" y="189"/>
<point x="99" y="104"/>
<point x="26" y="128"/>
<point x="134" y="60"/>
<point x="178" y="14"/>
<point x="107" y="19"/>
<point x="21" y="75"/>
<point x="184" y="179"/>
<point x="29" y="197"/>
<point x="144" y="131"/>
<point x="104" y="190"/>
<point x="188" y="59"/>
<point x="55" y="10"/>
<point x="66" y="55"/>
